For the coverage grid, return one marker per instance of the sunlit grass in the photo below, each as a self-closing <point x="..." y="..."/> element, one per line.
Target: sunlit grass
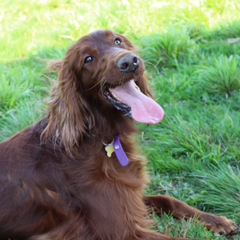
<point x="223" y="76"/>
<point x="27" y="26"/>
<point x="168" y="48"/>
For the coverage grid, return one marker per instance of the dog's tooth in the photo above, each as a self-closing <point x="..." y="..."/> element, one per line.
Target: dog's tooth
<point x="136" y="86"/>
<point x="116" y="96"/>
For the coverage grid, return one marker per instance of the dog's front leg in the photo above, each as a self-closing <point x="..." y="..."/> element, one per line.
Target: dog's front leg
<point x="179" y="209"/>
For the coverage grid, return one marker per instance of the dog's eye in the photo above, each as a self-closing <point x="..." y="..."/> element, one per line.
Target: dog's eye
<point x="117" y="41"/>
<point x="88" y="59"/>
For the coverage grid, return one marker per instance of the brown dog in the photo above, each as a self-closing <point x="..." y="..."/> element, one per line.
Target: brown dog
<point x="60" y="178"/>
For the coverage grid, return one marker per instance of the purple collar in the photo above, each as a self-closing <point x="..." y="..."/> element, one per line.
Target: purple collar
<point x="121" y="155"/>
<point x="115" y="146"/>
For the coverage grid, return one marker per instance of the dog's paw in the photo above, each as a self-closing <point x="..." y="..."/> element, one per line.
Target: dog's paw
<point x="219" y="224"/>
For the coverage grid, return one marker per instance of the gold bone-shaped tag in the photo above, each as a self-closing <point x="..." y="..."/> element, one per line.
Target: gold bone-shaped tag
<point x="109" y="149"/>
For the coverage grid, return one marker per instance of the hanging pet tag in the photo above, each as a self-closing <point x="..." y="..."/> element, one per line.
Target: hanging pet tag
<point x="115" y="146"/>
<point x="109" y="149"/>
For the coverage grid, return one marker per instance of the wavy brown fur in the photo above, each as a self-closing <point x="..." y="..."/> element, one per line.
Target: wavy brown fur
<point x="56" y="181"/>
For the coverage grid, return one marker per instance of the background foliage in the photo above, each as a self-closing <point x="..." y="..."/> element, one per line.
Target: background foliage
<point x="192" y="54"/>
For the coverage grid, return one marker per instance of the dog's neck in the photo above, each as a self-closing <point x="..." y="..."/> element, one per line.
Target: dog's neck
<point x="116" y="146"/>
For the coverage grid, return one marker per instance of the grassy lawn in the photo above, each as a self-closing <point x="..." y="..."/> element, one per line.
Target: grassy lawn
<point x="192" y="54"/>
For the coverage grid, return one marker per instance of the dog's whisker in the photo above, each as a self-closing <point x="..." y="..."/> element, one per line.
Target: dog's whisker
<point x="98" y="83"/>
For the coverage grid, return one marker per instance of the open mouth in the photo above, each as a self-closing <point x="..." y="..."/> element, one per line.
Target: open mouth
<point x="112" y="98"/>
<point x="129" y="99"/>
<point x="117" y="102"/>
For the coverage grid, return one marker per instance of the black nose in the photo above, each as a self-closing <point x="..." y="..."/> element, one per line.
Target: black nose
<point x="128" y="63"/>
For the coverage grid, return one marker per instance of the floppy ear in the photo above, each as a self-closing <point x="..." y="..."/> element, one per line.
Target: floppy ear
<point x="70" y="118"/>
<point x="144" y="86"/>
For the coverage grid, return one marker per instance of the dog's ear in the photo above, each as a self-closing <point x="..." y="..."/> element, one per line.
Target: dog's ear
<point x="145" y="85"/>
<point x="70" y="117"/>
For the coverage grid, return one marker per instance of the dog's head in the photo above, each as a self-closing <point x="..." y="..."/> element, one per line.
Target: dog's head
<point x="101" y="85"/>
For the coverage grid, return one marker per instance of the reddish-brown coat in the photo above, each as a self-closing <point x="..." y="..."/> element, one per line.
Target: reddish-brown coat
<point x="56" y="181"/>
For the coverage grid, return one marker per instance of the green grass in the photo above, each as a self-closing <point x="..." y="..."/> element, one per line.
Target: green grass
<point x="184" y="229"/>
<point x="191" y="51"/>
<point x="169" y="48"/>
<point x="222" y="77"/>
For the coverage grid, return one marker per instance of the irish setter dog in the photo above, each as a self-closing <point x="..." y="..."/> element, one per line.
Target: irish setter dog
<point x="76" y="173"/>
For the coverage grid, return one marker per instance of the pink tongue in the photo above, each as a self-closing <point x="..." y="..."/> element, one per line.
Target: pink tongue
<point x="143" y="108"/>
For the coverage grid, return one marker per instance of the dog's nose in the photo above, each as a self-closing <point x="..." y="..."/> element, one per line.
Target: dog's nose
<point x="128" y="63"/>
